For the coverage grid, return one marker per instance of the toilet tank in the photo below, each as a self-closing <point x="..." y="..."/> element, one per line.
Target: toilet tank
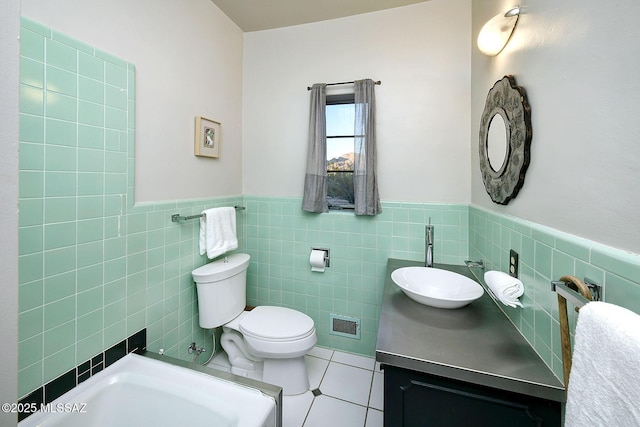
<point x="222" y="289"/>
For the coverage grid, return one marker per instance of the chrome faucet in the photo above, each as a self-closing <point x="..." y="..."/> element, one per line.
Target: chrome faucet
<point x="428" y="245"/>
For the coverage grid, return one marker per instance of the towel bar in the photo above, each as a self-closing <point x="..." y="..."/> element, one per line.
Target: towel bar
<point x="178" y="217"/>
<point x="567" y="289"/>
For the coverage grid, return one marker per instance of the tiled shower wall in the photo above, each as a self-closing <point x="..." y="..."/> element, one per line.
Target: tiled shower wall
<point x="547" y="254"/>
<point x="279" y="238"/>
<point x="94" y="268"/>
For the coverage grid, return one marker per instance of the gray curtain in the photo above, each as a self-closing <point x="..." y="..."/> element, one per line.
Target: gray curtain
<point x="315" y="179"/>
<point x="367" y="201"/>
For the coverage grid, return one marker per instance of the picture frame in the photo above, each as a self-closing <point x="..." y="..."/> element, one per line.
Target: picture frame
<point x="207" y="142"/>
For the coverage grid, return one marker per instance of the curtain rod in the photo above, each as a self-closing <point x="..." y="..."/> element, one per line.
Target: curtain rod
<point x="344" y="83"/>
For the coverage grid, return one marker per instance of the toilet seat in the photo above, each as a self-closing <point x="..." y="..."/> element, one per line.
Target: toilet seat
<point x="276" y="324"/>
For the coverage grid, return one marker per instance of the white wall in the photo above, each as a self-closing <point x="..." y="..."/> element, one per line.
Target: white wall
<point x="421" y="55"/>
<point x="188" y="58"/>
<point x="9" y="68"/>
<point x="579" y="62"/>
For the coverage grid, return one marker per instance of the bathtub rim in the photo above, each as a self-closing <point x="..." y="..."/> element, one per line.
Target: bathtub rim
<point x="270" y="390"/>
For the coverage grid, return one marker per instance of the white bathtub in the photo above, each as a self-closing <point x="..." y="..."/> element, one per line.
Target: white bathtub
<point x="142" y="391"/>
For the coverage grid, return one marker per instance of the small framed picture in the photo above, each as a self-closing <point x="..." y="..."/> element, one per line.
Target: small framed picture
<point x="207" y="143"/>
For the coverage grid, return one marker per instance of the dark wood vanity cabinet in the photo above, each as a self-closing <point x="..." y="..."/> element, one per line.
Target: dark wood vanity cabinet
<point x="417" y="399"/>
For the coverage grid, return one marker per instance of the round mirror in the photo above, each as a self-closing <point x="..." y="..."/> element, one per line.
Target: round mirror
<point x="505" y="139"/>
<point x="497" y="138"/>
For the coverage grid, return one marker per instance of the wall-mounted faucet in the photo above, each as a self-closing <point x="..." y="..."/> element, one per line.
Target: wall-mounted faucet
<point x="428" y="245"/>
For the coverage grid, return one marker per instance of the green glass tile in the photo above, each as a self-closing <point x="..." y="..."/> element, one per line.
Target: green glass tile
<point x="90" y="230"/>
<point x="31" y="128"/>
<point x="61" y="55"/>
<point x="31" y="184"/>
<point x="90" y="66"/>
<point x="29" y="379"/>
<point x="30" y="295"/>
<point x="59" y="287"/>
<point x="59" y="235"/>
<point x="59" y="363"/>
<point x="91" y="90"/>
<point x="89" y="347"/>
<point x="57" y="338"/>
<point x="60" y="158"/>
<point x="31" y="73"/>
<point x="57" y="184"/>
<point x="112" y="140"/>
<point x="90" y="160"/>
<point x="72" y="42"/>
<point x="90" y="277"/>
<point x="115" y="183"/>
<point x="59" y="312"/>
<point x="29" y="351"/>
<point x="31" y="156"/>
<point x="32" y="45"/>
<point x="91" y="113"/>
<point x="115" y="291"/>
<point x="619" y="262"/>
<point x="30" y="323"/>
<point x="90" y="184"/>
<point x="90" y="254"/>
<point x="115" y="72"/>
<point x="115" y="312"/>
<point x="136" y="303"/>
<point x="62" y="81"/>
<point x="90" y="137"/>
<point x="30" y="267"/>
<point x="89" y="324"/>
<point x="59" y="261"/>
<point x="136" y="263"/>
<point x="31" y="100"/>
<point x="59" y="209"/>
<point x="60" y="132"/>
<point x="34" y="26"/>
<point x="30" y="240"/>
<point x="90" y="207"/>
<point x="115" y="332"/>
<point x="114" y="270"/>
<point x="61" y="107"/>
<point x="115" y="97"/>
<point x="115" y="118"/>
<point x="115" y="248"/>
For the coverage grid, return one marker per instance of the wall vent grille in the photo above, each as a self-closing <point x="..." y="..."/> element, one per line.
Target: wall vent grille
<point x="344" y="326"/>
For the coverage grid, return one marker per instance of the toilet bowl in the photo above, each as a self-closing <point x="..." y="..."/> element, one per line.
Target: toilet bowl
<point x="267" y="343"/>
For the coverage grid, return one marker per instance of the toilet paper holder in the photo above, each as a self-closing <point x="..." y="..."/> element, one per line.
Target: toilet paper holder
<point x="327" y="255"/>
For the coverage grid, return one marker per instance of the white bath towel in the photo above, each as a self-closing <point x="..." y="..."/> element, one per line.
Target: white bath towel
<point x="218" y="231"/>
<point x="604" y="384"/>
<point x="506" y="288"/>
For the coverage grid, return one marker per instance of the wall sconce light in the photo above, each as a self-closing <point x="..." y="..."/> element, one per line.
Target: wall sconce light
<point x="495" y="34"/>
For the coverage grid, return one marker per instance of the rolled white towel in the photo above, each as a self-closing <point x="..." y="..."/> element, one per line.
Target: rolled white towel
<point x="506" y="288"/>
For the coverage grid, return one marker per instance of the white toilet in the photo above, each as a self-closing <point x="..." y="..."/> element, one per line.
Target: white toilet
<point x="267" y="343"/>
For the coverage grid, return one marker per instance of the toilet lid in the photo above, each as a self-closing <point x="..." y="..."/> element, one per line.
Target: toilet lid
<point x="276" y="324"/>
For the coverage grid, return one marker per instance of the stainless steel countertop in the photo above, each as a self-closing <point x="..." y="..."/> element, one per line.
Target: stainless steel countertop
<point x="477" y="343"/>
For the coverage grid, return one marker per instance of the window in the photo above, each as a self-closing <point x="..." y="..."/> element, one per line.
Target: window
<point x="340" y="116"/>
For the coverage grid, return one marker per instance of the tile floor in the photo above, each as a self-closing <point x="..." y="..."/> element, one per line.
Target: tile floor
<point x="350" y="386"/>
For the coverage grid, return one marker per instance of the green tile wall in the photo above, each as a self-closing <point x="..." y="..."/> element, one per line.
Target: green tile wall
<point x="93" y="267"/>
<point x="279" y="237"/>
<point x="547" y="254"/>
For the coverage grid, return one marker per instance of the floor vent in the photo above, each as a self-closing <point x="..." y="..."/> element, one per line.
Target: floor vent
<point x="344" y="326"/>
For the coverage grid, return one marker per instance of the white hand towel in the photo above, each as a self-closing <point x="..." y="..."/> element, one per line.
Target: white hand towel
<point x="218" y="231"/>
<point x="506" y="288"/>
<point x="604" y="384"/>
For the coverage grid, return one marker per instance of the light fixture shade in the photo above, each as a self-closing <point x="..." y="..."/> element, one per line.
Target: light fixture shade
<point x="495" y="34"/>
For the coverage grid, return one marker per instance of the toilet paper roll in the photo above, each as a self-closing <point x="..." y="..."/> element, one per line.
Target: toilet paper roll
<point x="316" y="259"/>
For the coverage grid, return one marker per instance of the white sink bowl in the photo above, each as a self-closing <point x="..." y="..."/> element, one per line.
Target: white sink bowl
<point x="436" y="287"/>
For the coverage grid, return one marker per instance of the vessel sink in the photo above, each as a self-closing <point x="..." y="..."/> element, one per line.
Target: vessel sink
<point x="436" y="287"/>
